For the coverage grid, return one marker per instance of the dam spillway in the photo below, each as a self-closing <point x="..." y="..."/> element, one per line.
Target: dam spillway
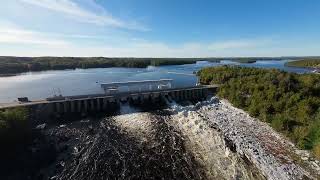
<point x="86" y="104"/>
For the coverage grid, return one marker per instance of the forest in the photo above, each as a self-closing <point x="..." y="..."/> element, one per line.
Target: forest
<point x="14" y="65"/>
<point x="310" y="63"/>
<point x="289" y="102"/>
<point x="10" y="65"/>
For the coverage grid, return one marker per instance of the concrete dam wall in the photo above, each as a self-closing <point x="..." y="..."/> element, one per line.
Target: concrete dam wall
<point x="81" y="105"/>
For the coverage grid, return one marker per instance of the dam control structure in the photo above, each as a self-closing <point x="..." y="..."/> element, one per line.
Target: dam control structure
<point x="135" y="92"/>
<point x="136" y="86"/>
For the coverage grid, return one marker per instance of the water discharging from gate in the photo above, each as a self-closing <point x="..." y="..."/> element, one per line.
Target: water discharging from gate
<point x="173" y="143"/>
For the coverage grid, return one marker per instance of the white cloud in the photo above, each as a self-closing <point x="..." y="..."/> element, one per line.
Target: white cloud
<point x="237" y="44"/>
<point x="11" y="33"/>
<point x="55" y="44"/>
<point x="142" y="48"/>
<point x="33" y="43"/>
<point x="16" y="35"/>
<point x="155" y="50"/>
<point x="72" y="9"/>
<point x="240" y="47"/>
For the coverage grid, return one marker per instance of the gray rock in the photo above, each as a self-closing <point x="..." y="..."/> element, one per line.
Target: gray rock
<point x="41" y="126"/>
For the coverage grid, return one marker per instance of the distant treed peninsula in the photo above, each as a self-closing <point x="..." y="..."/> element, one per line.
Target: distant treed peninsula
<point x="310" y="63"/>
<point x="12" y="65"/>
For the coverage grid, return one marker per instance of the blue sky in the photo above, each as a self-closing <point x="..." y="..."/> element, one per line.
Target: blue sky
<point x="160" y="28"/>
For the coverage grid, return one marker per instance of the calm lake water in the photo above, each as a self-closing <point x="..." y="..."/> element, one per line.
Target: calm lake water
<point x="40" y="85"/>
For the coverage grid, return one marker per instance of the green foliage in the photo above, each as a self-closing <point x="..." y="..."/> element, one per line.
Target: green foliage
<point x="289" y="102"/>
<point x="161" y="62"/>
<point x="14" y="125"/>
<point x="313" y="63"/>
<point x="316" y="150"/>
<point x="245" y="60"/>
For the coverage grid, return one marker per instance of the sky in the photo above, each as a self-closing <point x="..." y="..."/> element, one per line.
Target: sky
<point x="160" y="28"/>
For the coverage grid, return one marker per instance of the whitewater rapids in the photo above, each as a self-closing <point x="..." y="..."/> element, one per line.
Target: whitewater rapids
<point x="208" y="140"/>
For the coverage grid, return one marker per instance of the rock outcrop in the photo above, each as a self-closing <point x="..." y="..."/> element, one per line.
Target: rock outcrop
<point x="273" y="155"/>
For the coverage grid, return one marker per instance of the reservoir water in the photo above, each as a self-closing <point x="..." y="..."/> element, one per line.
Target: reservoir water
<point x="40" y="85"/>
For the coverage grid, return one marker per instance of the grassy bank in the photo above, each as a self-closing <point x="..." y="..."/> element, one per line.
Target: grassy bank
<point x="289" y="102"/>
<point x="310" y="63"/>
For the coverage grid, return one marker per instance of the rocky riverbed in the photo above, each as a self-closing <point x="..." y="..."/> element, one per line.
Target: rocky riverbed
<point x="207" y="140"/>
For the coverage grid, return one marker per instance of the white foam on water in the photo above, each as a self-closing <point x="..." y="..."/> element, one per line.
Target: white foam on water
<point x="134" y="123"/>
<point x="206" y="144"/>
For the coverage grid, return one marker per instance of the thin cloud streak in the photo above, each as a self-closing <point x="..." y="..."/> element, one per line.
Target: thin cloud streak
<point x="48" y="46"/>
<point x="55" y="44"/>
<point x="15" y="35"/>
<point x="236" y="44"/>
<point x="11" y="33"/>
<point x="72" y="9"/>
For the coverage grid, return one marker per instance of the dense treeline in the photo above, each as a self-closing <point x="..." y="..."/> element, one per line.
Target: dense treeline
<point x="289" y="102"/>
<point x="12" y="65"/>
<point x="245" y="60"/>
<point x="312" y="63"/>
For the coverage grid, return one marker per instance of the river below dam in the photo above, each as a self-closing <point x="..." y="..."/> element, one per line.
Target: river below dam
<point x="206" y="140"/>
<point x="40" y="85"/>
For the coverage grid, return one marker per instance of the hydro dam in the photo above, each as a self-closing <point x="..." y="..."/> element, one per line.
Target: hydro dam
<point x="132" y="92"/>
